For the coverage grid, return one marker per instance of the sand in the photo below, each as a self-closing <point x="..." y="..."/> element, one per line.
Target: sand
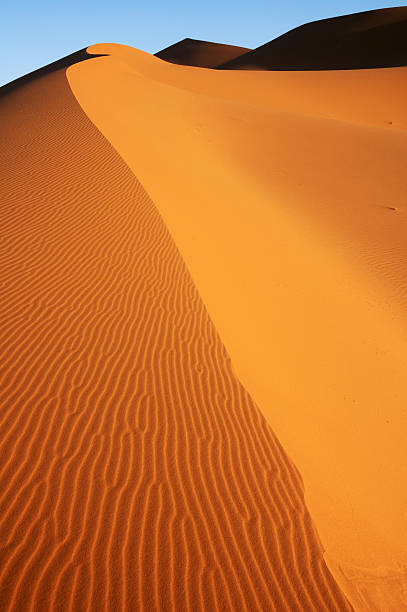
<point x="371" y="39"/>
<point x="201" y="53"/>
<point x="285" y="195"/>
<point x="136" y="472"/>
<point x="203" y="339"/>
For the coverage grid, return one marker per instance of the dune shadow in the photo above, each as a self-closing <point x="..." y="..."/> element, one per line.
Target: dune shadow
<point x="200" y="53"/>
<point x="371" y="39"/>
<point x="64" y="62"/>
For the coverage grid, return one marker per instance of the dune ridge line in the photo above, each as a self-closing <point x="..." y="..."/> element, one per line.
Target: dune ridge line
<point x="136" y="472"/>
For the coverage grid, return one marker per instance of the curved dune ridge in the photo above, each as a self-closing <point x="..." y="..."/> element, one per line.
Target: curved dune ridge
<point x="201" y="53"/>
<point x="371" y="39"/>
<point x="136" y="472"/>
<point x="63" y="62"/>
<point x="285" y="194"/>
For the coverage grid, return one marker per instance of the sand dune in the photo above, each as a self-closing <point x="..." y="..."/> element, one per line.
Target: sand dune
<point x="64" y="62"/>
<point x="290" y="217"/>
<point x="202" y="53"/>
<point x="136" y="471"/>
<point x="203" y="340"/>
<point x="372" y="39"/>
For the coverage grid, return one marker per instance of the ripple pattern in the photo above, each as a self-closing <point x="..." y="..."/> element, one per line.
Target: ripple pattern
<point x="136" y="473"/>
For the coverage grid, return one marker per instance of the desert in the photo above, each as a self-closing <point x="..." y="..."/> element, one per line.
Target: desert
<point x="203" y="340"/>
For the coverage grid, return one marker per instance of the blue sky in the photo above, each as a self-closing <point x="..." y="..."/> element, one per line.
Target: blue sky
<point x="35" y="33"/>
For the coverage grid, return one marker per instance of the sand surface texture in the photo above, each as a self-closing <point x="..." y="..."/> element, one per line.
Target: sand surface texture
<point x="136" y="472"/>
<point x="285" y="193"/>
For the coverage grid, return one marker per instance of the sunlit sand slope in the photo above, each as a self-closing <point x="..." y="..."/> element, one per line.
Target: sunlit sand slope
<point x="136" y="473"/>
<point x="285" y="193"/>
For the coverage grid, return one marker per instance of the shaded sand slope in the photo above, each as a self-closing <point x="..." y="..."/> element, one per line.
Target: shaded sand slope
<point x="293" y="226"/>
<point x="372" y="39"/>
<point x="191" y="52"/>
<point x="136" y="472"/>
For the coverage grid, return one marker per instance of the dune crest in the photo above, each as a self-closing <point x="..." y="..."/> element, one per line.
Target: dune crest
<point x="371" y="39"/>
<point x="63" y="62"/>
<point x="201" y="53"/>
<point x="136" y="473"/>
<point x="203" y="341"/>
<point x="299" y="257"/>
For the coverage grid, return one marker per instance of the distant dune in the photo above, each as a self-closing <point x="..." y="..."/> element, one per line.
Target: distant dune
<point x="372" y="39"/>
<point x="203" y="336"/>
<point x="202" y="53"/>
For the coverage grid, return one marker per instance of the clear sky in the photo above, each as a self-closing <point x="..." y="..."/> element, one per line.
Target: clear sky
<point x="35" y="33"/>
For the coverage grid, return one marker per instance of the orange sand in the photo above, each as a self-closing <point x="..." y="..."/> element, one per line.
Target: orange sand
<point x="136" y="473"/>
<point x="285" y="193"/>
